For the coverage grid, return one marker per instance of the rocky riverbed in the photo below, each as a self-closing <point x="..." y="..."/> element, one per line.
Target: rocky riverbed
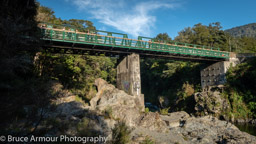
<point x="111" y="106"/>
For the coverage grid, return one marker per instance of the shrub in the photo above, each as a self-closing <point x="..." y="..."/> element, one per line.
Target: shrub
<point x="164" y="111"/>
<point x="78" y="99"/>
<point x="108" y="112"/>
<point x="146" y="110"/>
<point x="147" y="140"/>
<point x="121" y="134"/>
<point x="86" y="128"/>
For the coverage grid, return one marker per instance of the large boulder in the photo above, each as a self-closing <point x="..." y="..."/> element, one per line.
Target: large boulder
<point x="109" y="96"/>
<point x="210" y="102"/>
<point x="121" y="106"/>
<point x="111" y="105"/>
<point x="175" y="119"/>
<point x="152" y="121"/>
<point x="209" y="129"/>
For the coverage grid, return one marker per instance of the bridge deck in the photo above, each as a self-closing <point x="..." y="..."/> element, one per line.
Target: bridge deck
<point x="93" y="41"/>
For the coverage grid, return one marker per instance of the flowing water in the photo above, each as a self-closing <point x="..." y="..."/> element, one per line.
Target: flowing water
<point x="249" y="128"/>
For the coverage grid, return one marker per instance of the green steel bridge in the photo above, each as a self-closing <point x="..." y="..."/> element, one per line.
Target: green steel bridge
<point x="68" y="39"/>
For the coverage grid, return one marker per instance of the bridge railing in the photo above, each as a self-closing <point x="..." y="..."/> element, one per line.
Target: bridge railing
<point x="92" y="37"/>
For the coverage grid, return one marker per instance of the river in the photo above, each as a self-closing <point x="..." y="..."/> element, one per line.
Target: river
<point x="249" y="128"/>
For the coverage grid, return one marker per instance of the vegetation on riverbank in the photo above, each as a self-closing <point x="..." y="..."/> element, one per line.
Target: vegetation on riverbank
<point x="177" y="81"/>
<point x="241" y="88"/>
<point x="28" y="73"/>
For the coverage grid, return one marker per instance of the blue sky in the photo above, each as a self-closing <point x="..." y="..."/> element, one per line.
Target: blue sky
<point x="151" y="17"/>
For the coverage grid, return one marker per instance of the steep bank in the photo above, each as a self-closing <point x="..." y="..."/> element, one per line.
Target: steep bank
<point x="73" y="117"/>
<point x="235" y="101"/>
<point x="216" y="102"/>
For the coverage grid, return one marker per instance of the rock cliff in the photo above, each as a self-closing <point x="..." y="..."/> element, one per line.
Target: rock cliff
<point x="111" y="105"/>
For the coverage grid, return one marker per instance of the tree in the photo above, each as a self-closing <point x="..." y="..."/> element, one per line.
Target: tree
<point x="44" y="14"/>
<point x="83" y="25"/>
<point x="75" y="72"/>
<point x="210" y="35"/>
<point x="163" y="37"/>
<point x="184" y="35"/>
<point x="19" y="82"/>
<point x="248" y="44"/>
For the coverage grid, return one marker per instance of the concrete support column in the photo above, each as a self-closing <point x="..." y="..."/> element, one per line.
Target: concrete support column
<point x="128" y="76"/>
<point x="214" y="75"/>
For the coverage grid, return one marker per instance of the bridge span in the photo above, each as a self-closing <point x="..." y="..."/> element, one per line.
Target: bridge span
<point x="70" y="40"/>
<point x="110" y="43"/>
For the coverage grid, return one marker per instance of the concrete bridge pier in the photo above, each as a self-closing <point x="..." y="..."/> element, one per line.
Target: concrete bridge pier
<point x="128" y="77"/>
<point x="214" y="75"/>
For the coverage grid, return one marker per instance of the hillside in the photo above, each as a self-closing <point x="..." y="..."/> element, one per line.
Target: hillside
<point x="248" y="30"/>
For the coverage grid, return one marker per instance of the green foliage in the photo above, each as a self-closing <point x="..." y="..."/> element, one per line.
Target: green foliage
<point x="82" y="25"/>
<point x="147" y="140"/>
<point x="166" y="78"/>
<point x="178" y="80"/>
<point x="187" y="90"/>
<point x="185" y="100"/>
<point x="108" y="113"/>
<point x="162" y="37"/>
<point x="238" y="108"/>
<point x="146" y="110"/>
<point x="78" y="73"/>
<point x="78" y="99"/>
<point x="26" y="74"/>
<point x="241" y="86"/>
<point x="85" y="128"/>
<point x="213" y="36"/>
<point x="210" y="35"/>
<point x="246" y="45"/>
<point x="121" y="134"/>
<point x="164" y="111"/>
<point x="45" y="14"/>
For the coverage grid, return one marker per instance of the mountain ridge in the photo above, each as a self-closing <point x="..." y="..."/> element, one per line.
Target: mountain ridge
<point x="248" y="30"/>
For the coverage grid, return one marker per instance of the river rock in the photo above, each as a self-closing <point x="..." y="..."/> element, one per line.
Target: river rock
<point x="175" y="119"/>
<point x="111" y="105"/>
<point x="211" y="130"/>
<point x="210" y="102"/>
<point x="253" y="121"/>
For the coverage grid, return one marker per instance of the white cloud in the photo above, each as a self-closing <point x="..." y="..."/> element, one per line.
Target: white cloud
<point x="135" y="18"/>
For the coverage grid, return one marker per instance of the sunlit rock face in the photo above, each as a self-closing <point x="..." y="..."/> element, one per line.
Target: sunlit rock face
<point x="111" y="105"/>
<point x="211" y="130"/>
